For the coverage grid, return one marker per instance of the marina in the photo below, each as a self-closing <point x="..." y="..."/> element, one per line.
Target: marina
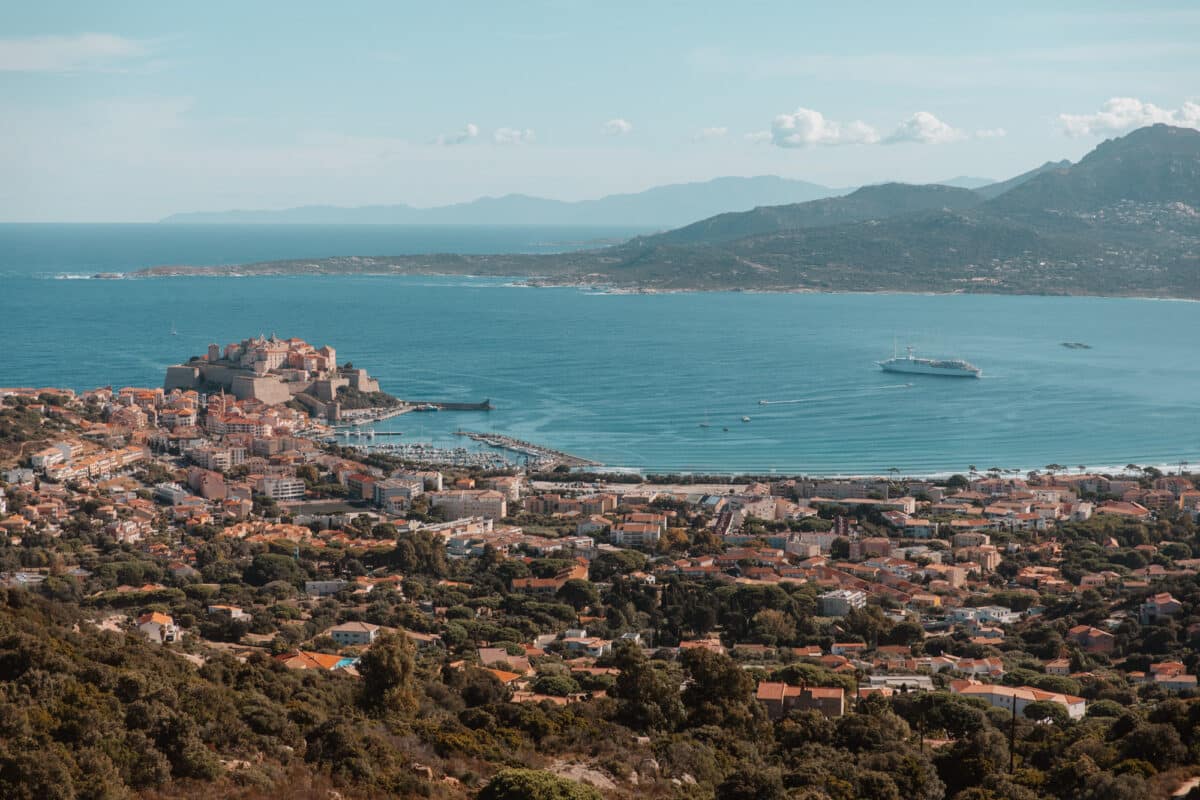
<point x="538" y="455"/>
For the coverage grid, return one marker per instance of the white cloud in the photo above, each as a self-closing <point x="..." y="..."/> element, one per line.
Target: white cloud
<point x="924" y="128"/>
<point x="990" y="133"/>
<point x="617" y="127"/>
<point x="1120" y="114"/>
<point x="808" y="128"/>
<point x="85" y="51"/>
<point x="458" y="137"/>
<point x="513" y="136"/>
<point x="757" y="137"/>
<point x="710" y="134"/>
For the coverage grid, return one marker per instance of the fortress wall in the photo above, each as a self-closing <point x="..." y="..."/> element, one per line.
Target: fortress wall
<point x="269" y="390"/>
<point x="182" y="377"/>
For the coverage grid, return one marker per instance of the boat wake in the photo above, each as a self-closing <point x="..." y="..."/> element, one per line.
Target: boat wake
<point x="835" y="396"/>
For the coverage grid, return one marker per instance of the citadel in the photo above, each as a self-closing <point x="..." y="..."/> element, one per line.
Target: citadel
<point x="272" y="371"/>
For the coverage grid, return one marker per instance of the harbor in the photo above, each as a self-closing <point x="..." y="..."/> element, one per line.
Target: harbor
<point x="537" y="455"/>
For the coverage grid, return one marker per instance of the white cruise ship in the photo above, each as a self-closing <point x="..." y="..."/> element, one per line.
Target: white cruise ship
<point x="955" y="368"/>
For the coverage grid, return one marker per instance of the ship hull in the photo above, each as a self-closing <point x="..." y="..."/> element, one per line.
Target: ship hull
<point x="910" y="368"/>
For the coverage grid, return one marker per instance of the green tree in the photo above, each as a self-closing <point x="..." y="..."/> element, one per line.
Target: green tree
<point x="1048" y="709"/>
<point x="579" y="593"/>
<point x="535" y="784"/>
<point x="388" y="674"/>
<point x="747" y="783"/>
<point x="268" y="567"/>
<point x="648" y="697"/>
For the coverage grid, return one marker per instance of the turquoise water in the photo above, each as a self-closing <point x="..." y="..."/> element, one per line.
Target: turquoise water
<point x="628" y="380"/>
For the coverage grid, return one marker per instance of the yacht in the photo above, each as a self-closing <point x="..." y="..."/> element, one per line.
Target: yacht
<point x="953" y="368"/>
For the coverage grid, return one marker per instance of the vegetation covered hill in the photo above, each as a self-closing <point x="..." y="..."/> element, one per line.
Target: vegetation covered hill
<point x="1123" y="221"/>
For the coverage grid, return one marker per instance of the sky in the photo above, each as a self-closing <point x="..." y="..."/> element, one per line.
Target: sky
<point x="130" y="111"/>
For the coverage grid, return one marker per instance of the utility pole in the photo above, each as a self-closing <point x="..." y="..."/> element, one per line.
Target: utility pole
<point x="1012" y="738"/>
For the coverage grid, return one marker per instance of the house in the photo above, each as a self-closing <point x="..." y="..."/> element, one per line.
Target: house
<point x="1017" y="698"/>
<point x="354" y="634"/>
<point x="496" y="657"/>
<point x="780" y="698"/>
<point x="302" y="659"/>
<point x="233" y="612"/>
<point x="1058" y="666"/>
<point x="324" y="588"/>
<point x="158" y="628"/>
<point x="1157" y="607"/>
<point x="848" y="648"/>
<point x="1093" y="640"/>
<point x="588" y="645"/>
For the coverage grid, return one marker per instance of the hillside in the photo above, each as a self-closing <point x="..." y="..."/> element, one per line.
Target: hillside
<point x="1122" y="221"/>
<point x="870" y="202"/>
<point x="665" y="206"/>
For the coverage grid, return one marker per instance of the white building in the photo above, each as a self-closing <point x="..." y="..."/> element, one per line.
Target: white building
<point x="1018" y="697"/>
<point x="171" y="493"/>
<point x="839" y="602"/>
<point x="324" y="588"/>
<point x="281" y="489"/>
<point x="351" y="634"/>
<point x="158" y="628"/>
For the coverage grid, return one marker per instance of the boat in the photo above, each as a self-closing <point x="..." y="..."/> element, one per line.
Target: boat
<point x="173" y="331"/>
<point x="745" y="419"/>
<point x="426" y="407"/>
<point x="1076" y="345"/>
<point x="952" y="368"/>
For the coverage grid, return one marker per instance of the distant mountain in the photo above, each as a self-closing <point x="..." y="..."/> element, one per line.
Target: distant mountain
<point x="870" y="202"/>
<point x="1124" y="220"/>
<point x="662" y="206"/>
<point x="967" y="182"/>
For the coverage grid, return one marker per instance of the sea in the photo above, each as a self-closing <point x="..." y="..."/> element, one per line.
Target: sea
<point x="653" y="382"/>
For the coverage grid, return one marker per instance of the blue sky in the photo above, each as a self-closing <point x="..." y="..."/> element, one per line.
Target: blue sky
<point x="131" y="111"/>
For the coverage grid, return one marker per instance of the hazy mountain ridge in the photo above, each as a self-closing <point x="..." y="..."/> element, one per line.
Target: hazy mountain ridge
<point x="665" y="206"/>
<point x="1121" y="221"/>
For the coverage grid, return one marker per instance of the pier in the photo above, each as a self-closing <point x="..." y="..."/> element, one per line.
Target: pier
<point x="543" y="456"/>
<point x="417" y="405"/>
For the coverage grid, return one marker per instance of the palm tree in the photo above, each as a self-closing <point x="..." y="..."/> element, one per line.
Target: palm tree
<point x="1082" y="467"/>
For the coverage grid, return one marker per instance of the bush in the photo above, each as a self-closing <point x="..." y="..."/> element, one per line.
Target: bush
<point x="534" y="784"/>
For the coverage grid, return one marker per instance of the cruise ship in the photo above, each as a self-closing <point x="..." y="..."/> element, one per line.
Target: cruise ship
<point x="955" y="368"/>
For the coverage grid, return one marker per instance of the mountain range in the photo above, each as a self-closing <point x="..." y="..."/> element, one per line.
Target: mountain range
<point x="1124" y="220"/>
<point x="661" y="206"/>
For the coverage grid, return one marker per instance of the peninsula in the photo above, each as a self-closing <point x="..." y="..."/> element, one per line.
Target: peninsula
<point x="1123" y="221"/>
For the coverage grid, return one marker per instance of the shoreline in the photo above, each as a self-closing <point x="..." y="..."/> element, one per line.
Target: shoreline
<point x="537" y="282"/>
<point x="1168" y="468"/>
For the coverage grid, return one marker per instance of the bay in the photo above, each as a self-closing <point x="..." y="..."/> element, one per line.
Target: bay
<point x="629" y="379"/>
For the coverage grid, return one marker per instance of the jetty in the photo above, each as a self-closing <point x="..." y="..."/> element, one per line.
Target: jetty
<point x="418" y="405"/>
<point x="544" y="456"/>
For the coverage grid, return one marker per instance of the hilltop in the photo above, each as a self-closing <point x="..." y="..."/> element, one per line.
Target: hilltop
<point x="1121" y="221"/>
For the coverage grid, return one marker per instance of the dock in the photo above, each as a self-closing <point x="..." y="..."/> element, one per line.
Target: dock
<point x="486" y="405"/>
<point x="544" y="456"/>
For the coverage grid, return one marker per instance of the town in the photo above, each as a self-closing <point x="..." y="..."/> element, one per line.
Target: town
<point x="216" y="522"/>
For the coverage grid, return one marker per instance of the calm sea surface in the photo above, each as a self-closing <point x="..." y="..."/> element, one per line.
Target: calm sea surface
<point x="628" y="380"/>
